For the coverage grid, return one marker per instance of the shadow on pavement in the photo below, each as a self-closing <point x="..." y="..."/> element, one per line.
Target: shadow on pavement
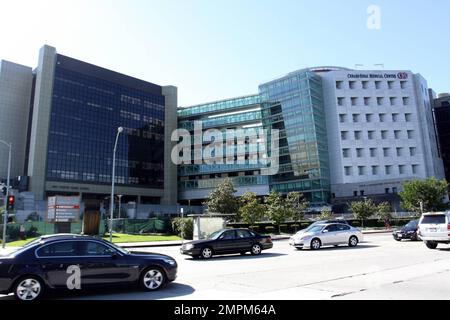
<point x="340" y="248"/>
<point x="248" y="256"/>
<point x="172" y="290"/>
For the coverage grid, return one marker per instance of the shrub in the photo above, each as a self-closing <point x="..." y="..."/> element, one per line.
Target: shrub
<point x="183" y="227"/>
<point x="34" y="216"/>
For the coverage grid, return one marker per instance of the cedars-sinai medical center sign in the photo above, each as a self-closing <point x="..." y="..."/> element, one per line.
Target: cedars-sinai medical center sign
<point x="400" y="75"/>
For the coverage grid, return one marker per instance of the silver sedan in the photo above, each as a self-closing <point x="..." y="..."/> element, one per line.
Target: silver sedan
<point x="332" y="234"/>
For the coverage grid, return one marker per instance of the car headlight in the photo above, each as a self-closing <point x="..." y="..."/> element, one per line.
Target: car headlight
<point x="188" y="246"/>
<point x="170" y="261"/>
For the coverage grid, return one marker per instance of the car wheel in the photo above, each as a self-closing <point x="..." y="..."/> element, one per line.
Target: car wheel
<point x="353" y="242"/>
<point x="153" y="279"/>
<point x="316" y="244"/>
<point x="256" y="249"/>
<point x="431" y="244"/>
<point x="397" y="239"/>
<point x="207" y="253"/>
<point x="28" y="288"/>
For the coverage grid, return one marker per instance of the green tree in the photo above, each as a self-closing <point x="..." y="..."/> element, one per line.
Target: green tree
<point x="326" y="214"/>
<point x="277" y="208"/>
<point x="297" y="205"/>
<point x="384" y="211"/>
<point x="251" y="210"/>
<point x="430" y="192"/>
<point x="363" y="209"/>
<point x="222" y="199"/>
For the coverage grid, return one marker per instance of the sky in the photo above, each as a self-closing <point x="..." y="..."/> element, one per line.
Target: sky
<point x="217" y="49"/>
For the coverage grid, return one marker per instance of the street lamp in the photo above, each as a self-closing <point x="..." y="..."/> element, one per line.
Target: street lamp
<point x="111" y="207"/>
<point x="5" y="218"/>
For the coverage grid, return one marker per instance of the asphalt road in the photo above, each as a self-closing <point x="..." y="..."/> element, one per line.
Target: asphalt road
<point x="379" y="268"/>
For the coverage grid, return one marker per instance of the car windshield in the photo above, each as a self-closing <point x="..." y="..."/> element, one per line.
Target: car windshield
<point x="121" y="250"/>
<point x="411" y="224"/>
<point x="215" y="235"/>
<point x="434" y="219"/>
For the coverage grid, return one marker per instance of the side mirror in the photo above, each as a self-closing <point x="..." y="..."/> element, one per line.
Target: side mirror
<point x="114" y="256"/>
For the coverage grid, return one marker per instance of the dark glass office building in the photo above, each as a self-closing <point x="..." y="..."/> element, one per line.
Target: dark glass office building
<point x="442" y="116"/>
<point x="78" y="108"/>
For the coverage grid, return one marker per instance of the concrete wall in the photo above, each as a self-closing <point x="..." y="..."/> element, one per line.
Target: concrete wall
<point x="41" y="120"/>
<point x="15" y="94"/>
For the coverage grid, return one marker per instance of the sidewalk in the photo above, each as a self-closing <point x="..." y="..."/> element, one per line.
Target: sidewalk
<point x="180" y="243"/>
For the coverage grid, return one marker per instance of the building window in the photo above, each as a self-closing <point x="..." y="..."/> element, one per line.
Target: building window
<point x="355" y="193"/>
<point x="382" y="117"/>
<point x="405" y="101"/>
<point x="352" y="84"/>
<point x="408" y="117"/>
<point x="343" y="118"/>
<point x="391" y="84"/>
<point x="358" y="135"/>
<point x="397" y="134"/>
<point x="361" y="170"/>
<point x="384" y="134"/>
<point x="399" y="152"/>
<point x="410" y="134"/>
<point x="387" y="190"/>
<point x="373" y="152"/>
<point x="412" y="151"/>
<point x="339" y="84"/>
<point x="403" y="84"/>
<point x="380" y="101"/>
<point x="369" y="117"/>
<point x="394" y="190"/>
<point x="371" y="135"/>
<point x="344" y="135"/>
<point x="346" y="153"/>
<point x="360" y="152"/>
<point x="377" y="85"/>
<point x="354" y="101"/>
<point x="365" y="84"/>
<point x="393" y="101"/>
<point x="401" y="169"/>
<point x="386" y="152"/>
<point x="348" y="171"/>
<point x="388" y="170"/>
<point x="367" y="101"/>
<point x="415" y="168"/>
<point x="375" y="170"/>
<point x="395" y="117"/>
<point x="356" y="117"/>
<point x="340" y="101"/>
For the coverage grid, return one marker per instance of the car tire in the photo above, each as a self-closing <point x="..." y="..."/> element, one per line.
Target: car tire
<point x="431" y="244"/>
<point x="152" y="279"/>
<point x="256" y="249"/>
<point x="316" y="244"/>
<point x="206" y="253"/>
<point x="397" y="239"/>
<point x="353" y="241"/>
<point x="28" y="288"/>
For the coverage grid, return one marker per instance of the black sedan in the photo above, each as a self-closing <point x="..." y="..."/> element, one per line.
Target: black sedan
<point x="77" y="262"/>
<point x="228" y="241"/>
<point x="409" y="231"/>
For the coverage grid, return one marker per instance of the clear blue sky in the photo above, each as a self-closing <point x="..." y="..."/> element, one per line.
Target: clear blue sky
<point x="213" y="49"/>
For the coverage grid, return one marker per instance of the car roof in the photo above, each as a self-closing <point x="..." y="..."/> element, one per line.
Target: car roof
<point x="435" y="213"/>
<point x="65" y="236"/>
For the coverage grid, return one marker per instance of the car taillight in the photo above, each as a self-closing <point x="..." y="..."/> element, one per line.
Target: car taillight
<point x="448" y="227"/>
<point x="267" y="240"/>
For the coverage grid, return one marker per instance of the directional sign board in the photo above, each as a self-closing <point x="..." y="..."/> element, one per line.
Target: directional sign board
<point x="63" y="209"/>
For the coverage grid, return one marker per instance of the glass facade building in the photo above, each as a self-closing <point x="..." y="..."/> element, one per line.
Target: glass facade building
<point x="86" y="112"/>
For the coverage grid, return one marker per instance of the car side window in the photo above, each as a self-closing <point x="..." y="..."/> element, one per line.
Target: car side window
<point x="243" y="234"/>
<point x="343" y="227"/>
<point x="60" y="249"/>
<point x="332" y="228"/>
<point x="91" y="248"/>
<point x="228" y="235"/>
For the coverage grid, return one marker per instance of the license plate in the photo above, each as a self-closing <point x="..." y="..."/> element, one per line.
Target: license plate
<point x="432" y="229"/>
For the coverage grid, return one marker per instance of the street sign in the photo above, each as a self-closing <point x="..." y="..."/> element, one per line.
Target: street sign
<point x="63" y="209"/>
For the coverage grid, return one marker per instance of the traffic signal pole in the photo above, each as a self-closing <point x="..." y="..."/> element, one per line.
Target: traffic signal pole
<point x="5" y="215"/>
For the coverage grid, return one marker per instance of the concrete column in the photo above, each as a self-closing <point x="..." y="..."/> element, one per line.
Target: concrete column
<point x="41" y="121"/>
<point x="170" y="124"/>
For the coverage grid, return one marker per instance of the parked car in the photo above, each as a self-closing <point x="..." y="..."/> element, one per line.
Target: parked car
<point x="48" y="262"/>
<point x="434" y="228"/>
<point x="408" y="231"/>
<point x="330" y="234"/>
<point x="228" y="241"/>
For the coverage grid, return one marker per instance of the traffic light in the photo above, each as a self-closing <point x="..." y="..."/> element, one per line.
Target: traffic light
<point x="10" y="203"/>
